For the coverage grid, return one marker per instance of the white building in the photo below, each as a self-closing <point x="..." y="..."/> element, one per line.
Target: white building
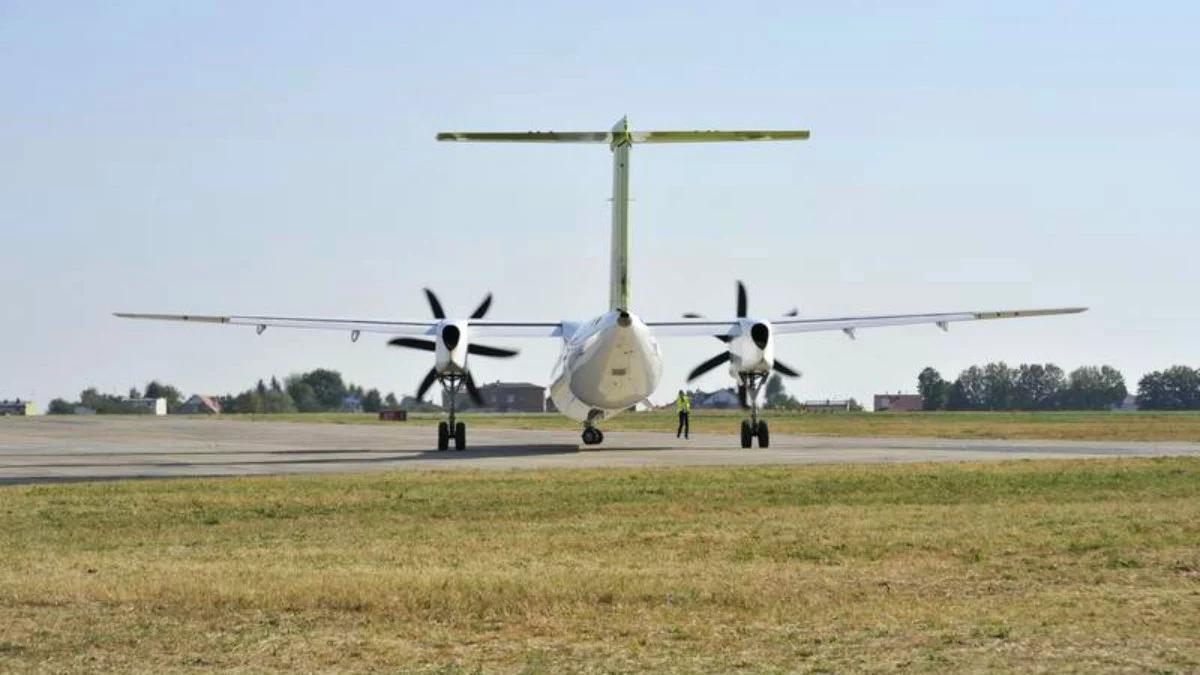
<point x="147" y="406"/>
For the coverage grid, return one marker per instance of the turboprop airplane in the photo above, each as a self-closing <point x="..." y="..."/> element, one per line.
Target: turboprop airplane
<point x="613" y="361"/>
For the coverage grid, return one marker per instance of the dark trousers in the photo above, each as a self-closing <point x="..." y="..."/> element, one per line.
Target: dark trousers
<point x="683" y="425"/>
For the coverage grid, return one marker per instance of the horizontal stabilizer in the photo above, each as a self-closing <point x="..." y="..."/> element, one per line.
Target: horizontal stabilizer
<point x="527" y="136"/>
<point x="629" y="136"/>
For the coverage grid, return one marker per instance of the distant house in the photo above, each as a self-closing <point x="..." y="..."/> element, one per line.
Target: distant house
<point x="828" y="405"/>
<point x="504" y="397"/>
<point x="719" y="399"/>
<point x="17" y="407"/>
<point x="351" y="404"/>
<point x="200" y="405"/>
<point x="898" y="402"/>
<point x="146" y="406"/>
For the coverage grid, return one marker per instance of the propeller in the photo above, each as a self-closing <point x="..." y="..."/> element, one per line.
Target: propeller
<point x="760" y="334"/>
<point x="451" y="335"/>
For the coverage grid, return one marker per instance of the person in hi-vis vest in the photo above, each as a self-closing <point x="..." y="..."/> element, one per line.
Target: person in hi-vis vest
<point x="683" y="406"/>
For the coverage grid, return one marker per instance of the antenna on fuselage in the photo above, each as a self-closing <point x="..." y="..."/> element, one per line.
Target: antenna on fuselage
<point x="620" y="139"/>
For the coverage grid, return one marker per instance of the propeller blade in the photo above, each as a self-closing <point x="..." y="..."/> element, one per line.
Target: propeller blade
<point x="786" y="369"/>
<point x="693" y="315"/>
<point x="413" y="343"/>
<point x="426" y="383"/>
<point x="482" y="309"/>
<point x="484" y="350"/>
<point x="438" y="312"/>
<point x="708" y="365"/>
<point x="742" y="302"/>
<point x="472" y="391"/>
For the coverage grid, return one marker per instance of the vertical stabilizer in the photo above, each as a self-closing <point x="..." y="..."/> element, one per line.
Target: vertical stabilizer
<point x="618" y="286"/>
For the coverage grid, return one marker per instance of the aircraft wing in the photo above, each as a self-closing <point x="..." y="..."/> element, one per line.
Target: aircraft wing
<point x="851" y="323"/>
<point x="479" y="328"/>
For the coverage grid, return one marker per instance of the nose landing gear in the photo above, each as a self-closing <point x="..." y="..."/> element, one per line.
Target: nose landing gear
<point x="754" y="427"/>
<point x="592" y="436"/>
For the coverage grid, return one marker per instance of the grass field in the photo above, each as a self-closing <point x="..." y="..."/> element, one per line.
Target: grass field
<point x="1048" y="567"/>
<point x="1123" y="426"/>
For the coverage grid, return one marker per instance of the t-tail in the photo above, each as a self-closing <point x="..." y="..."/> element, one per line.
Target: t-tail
<point x="620" y="140"/>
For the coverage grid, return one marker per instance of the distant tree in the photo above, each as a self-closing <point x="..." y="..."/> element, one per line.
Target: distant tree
<point x="302" y="393"/>
<point x="969" y="391"/>
<point x="998" y="385"/>
<point x="854" y="405"/>
<point x="1176" y="388"/>
<point x="134" y="393"/>
<point x="155" y="389"/>
<point x="933" y="389"/>
<point x="1092" y="388"/>
<point x="275" y="384"/>
<point x="261" y="388"/>
<point x="327" y="387"/>
<point x="774" y="386"/>
<point x="777" y="396"/>
<point x="1038" y="387"/>
<point x="60" y="406"/>
<point x="372" y="402"/>
<point x="390" y="400"/>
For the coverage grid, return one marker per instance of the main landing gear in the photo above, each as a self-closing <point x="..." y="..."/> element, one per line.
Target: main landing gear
<point x="452" y="430"/>
<point x="754" y="427"/>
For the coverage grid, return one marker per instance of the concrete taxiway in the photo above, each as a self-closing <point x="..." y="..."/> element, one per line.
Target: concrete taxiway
<point x="97" y="448"/>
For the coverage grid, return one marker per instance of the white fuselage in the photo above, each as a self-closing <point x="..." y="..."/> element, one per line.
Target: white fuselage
<point x="608" y="365"/>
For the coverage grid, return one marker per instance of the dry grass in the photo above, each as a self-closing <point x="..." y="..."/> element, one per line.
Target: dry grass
<point x="1089" y="566"/>
<point x="1096" y="426"/>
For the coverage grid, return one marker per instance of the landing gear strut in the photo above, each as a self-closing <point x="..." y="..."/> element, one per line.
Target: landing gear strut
<point x="452" y="429"/>
<point x="592" y="435"/>
<point x="754" y="427"/>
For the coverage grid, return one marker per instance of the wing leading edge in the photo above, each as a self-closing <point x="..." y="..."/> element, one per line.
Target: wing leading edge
<point x="798" y="325"/>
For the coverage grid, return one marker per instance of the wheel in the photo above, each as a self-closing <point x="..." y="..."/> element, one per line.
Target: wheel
<point x="460" y="436"/>
<point x="764" y="435"/>
<point x="747" y="434"/>
<point x="592" y="436"/>
<point x="599" y="437"/>
<point x="443" y="436"/>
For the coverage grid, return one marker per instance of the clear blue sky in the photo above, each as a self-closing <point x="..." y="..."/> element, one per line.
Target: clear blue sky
<point x="279" y="158"/>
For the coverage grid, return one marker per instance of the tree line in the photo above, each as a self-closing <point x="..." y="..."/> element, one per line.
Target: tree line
<point x="1034" y="386"/>
<point x="319" y="390"/>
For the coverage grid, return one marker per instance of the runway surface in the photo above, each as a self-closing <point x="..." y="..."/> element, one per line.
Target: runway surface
<point x="40" y="449"/>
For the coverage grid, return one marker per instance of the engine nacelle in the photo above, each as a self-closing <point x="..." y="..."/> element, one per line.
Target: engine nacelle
<point x="450" y="354"/>
<point x="752" y="348"/>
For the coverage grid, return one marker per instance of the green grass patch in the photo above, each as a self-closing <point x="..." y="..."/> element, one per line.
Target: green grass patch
<point x="1048" y="566"/>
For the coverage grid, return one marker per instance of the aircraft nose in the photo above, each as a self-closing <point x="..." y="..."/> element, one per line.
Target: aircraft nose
<point x="624" y="320"/>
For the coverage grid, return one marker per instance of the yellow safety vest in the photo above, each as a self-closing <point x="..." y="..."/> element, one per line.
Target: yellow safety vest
<point x="683" y="404"/>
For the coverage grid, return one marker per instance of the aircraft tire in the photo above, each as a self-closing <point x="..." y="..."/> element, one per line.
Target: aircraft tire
<point x="747" y="434"/>
<point x="764" y="435"/>
<point x="460" y="436"/>
<point x="443" y="436"/>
